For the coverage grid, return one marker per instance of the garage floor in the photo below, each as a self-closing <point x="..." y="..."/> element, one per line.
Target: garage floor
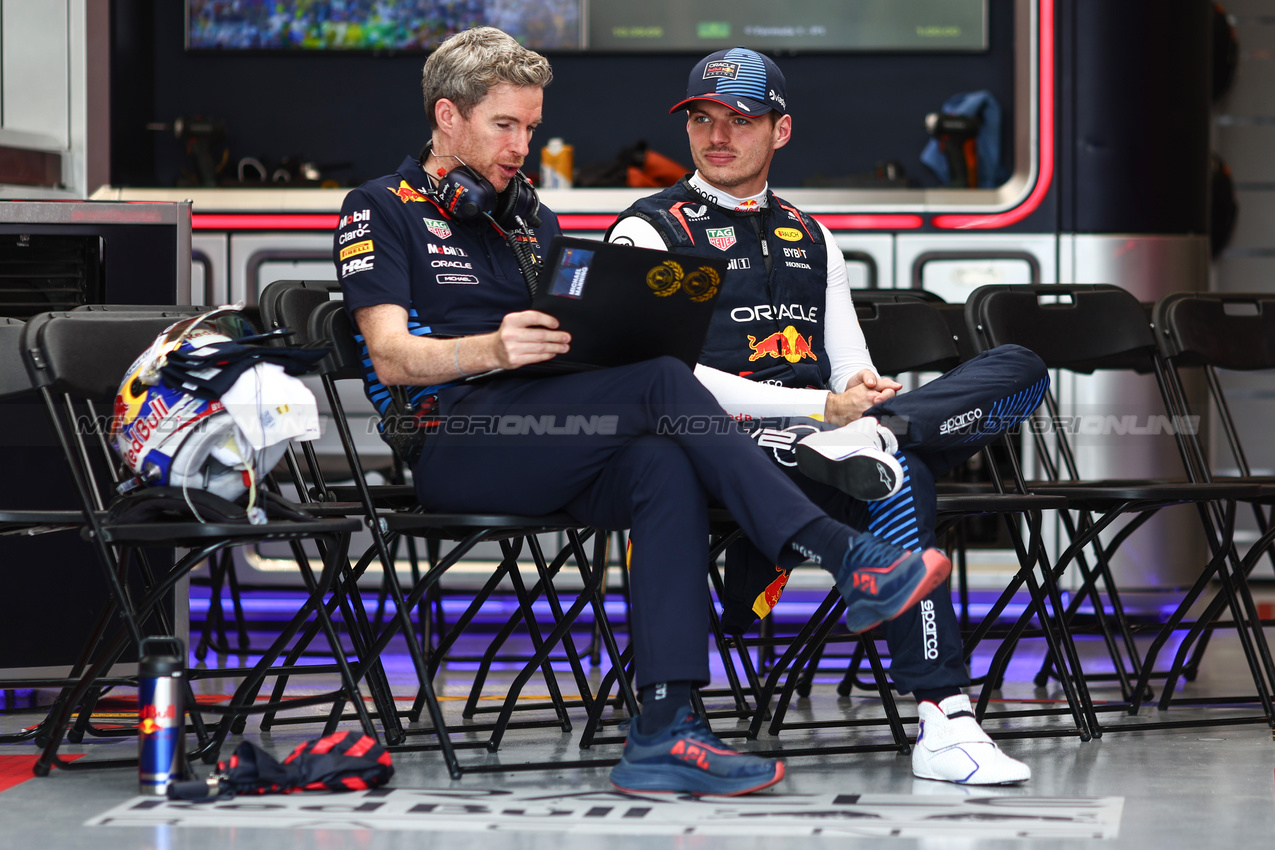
<point x="1198" y="787"/>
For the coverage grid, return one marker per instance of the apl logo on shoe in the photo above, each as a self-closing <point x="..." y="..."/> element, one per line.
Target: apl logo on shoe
<point x="865" y="582"/>
<point x="691" y="753"/>
<point x="721" y="238"/>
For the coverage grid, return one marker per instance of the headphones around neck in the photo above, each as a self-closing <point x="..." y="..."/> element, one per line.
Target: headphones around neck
<point x="467" y="195"/>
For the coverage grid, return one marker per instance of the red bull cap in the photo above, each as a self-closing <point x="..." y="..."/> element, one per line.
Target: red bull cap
<point x="742" y="79"/>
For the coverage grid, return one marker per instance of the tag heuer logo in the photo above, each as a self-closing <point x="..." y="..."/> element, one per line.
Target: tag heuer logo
<point x="721" y="238"/>
<point x="439" y="228"/>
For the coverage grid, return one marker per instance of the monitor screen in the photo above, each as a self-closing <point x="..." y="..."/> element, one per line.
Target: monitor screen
<point x="592" y="25"/>
<point x="378" y="25"/>
<point x="798" y="25"/>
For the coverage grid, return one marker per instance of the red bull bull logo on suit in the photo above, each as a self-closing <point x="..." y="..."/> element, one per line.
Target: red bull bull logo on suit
<point x="787" y="344"/>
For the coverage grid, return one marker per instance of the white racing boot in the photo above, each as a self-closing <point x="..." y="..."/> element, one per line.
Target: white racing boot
<point x="857" y="459"/>
<point x="951" y="747"/>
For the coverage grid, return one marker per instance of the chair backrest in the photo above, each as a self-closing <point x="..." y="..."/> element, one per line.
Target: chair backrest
<point x="288" y="304"/>
<point x="1227" y="330"/>
<point x="175" y="311"/>
<point x="1079" y="327"/>
<point x="13" y="371"/>
<point x="905" y="333"/>
<point x="86" y="354"/>
<point x="330" y="325"/>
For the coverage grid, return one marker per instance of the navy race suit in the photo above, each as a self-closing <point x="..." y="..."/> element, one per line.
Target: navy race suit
<point x="591" y="444"/>
<point x="767" y="324"/>
<point x="779" y="258"/>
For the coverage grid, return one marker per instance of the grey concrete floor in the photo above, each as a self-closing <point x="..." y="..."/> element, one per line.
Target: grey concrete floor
<point x="1197" y="787"/>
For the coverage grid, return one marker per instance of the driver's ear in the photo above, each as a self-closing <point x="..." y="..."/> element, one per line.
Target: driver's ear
<point x="783" y="131"/>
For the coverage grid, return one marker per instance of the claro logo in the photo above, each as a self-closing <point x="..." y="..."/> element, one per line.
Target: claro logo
<point x="929" y="630"/>
<point x="961" y="421"/>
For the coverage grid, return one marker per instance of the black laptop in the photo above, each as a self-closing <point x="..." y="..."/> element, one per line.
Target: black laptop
<point x="623" y="304"/>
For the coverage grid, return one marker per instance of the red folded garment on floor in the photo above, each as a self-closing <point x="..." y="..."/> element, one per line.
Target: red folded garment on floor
<point x="338" y="762"/>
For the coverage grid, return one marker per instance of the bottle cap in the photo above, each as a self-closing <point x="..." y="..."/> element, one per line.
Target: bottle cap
<point x="555" y="145"/>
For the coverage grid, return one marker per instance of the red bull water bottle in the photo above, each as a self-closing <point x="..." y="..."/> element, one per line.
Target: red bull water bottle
<point x="161" y="722"/>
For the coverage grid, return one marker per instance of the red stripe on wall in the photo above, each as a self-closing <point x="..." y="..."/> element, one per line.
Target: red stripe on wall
<point x="1045" y="135"/>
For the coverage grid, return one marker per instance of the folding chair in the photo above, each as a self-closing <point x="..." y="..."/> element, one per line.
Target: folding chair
<point x="1208" y="332"/>
<point x="77" y="361"/>
<point x="16" y="521"/>
<point x="908" y="333"/>
<point x="289" y="305"/>
<point x="329" y="324"/>
<point x="286" y="305"/>
<point x="221" y="567"/>
<point x="1085" y="329"/>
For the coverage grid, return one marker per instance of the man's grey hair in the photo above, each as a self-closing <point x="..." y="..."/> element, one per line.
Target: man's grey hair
<point x="471" y="63"/>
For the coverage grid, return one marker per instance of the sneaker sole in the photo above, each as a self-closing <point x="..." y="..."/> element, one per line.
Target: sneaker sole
<point x="869" y="475"/>
<point x="937" y="569"/>
<point x="659" y="779"/>
<point x="936" y="778"/>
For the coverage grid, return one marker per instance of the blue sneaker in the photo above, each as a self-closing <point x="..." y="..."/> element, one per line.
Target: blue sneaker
<point x="687" y="758"/>
<point x="879" y="581"/>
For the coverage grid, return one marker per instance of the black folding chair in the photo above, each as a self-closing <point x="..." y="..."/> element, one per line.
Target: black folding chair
<point x="221" y="572"/>
<point x="288" y="305"/>
<point x="16" y="521"/>
<point x="329" y="324"/>
<point x="1091" y="328"/>
<point x="77" y="361"/>
<point x="1209" y="333"/>
<point x="907" y="332"/>
<point x="221" y="566"/>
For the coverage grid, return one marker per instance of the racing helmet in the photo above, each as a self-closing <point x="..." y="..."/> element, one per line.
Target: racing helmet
<point x="169" y="436"/>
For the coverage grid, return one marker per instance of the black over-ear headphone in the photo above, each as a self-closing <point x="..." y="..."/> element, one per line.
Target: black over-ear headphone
<point x="466" y="195"/>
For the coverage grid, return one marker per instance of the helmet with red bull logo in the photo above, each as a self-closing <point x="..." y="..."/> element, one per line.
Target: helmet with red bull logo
<point x="168" y="436"/>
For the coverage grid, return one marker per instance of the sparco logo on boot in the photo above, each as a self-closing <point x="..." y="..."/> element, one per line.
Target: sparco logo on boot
<point x="961" y="421"/>
<point x="929" y="630"/>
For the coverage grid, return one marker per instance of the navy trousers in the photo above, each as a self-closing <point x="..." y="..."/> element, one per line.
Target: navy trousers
<point x="938" y="426"/>
<point x="643" y="447"/>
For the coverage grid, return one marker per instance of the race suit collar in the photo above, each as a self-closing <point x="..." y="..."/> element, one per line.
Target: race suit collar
<point x="727" y="201"/>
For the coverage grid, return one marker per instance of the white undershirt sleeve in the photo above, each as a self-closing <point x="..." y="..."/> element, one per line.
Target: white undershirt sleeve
<point x="743" y="398"/>
<point x="637" y="232"/>
<point x="842" y="336"/>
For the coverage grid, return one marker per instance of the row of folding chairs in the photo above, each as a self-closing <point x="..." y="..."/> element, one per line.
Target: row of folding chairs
<point x="1073" y="329"/>
<point x="76" y="361"/>
<point x="1081" y="329"/>
<point x="1103" y="329"/>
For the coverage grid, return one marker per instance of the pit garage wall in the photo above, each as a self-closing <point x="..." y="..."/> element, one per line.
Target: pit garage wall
<point x="54" y="98"/>
<point x="1243" y="133"/>
<point x="1116" y="192"/>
